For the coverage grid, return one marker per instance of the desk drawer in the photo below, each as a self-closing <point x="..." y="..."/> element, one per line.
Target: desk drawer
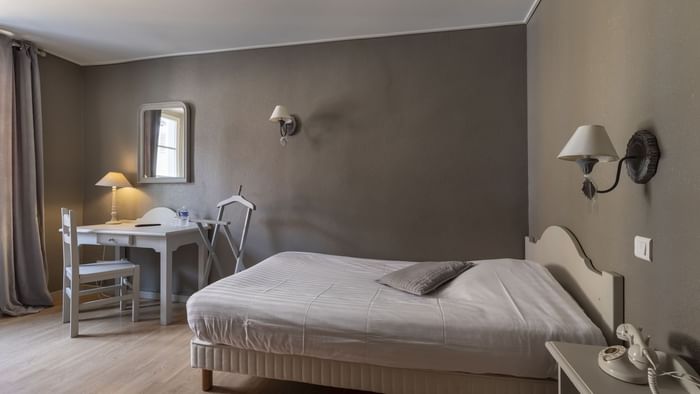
<point x="115" y="239"/>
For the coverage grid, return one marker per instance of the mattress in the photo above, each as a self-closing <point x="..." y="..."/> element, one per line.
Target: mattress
<point x="494" y="318"/>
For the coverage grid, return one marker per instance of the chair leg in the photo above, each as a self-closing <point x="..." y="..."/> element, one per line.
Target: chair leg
<point x="74" y="306"/>
<point x="122" y="304"/>
<point x="207" y="379"/>
<point x="65" y="303"/>
<point x="136" y="294"/>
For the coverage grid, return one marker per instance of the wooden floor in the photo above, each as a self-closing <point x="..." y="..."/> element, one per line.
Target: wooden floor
<point x="113" y="355"/>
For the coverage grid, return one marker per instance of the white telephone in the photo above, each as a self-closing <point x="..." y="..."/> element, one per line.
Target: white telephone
<point x="637" y="364"/>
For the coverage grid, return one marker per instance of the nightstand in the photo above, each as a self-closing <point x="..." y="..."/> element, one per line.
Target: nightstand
<point x="579" y="373"/>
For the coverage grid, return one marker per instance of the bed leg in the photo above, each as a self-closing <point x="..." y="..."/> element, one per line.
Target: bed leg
<point x="207" y="379"/>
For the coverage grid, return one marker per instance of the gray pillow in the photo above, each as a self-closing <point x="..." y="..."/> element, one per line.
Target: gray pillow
<point x="423" y="278"/>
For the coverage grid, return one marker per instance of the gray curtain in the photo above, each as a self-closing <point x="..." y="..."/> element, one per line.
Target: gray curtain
<point x="23" y="281"/>
<point x="151" y="129"/>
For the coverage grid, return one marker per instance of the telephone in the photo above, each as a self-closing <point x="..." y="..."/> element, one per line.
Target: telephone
<point x="636" y="364"/>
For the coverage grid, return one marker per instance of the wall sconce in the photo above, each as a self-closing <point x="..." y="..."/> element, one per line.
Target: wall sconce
<point x="288" y="123"/>
<point x="591" y="144"/>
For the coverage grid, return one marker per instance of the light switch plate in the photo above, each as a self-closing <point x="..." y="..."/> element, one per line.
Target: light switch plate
<point x="642" y="248"/>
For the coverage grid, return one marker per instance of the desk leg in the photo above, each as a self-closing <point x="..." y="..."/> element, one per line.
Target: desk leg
<point x="166" y="284"/>
<point x="565" y="384"/>
<point x="201" y="263"/>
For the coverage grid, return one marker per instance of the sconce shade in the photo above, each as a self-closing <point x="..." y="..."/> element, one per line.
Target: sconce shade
<point x="113" y="179"/>
<point x="589" y="142"/>
<point x="280" y="113"/>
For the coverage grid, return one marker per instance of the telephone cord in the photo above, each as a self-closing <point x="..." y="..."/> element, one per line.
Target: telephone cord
<point x="682" y="376"/>
<point x="652" y="375"/>
<point x="653" y="384"/>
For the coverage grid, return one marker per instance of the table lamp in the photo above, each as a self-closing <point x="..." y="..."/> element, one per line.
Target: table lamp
<point x="114" y="180"/>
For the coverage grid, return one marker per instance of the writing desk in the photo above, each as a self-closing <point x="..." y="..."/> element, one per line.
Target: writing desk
<point x="164" y="239"/>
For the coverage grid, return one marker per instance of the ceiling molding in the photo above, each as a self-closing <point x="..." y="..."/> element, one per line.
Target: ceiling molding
<point x="308" y="42"/>
<point x="91" y="33"/>
<point x="532" y="11"/>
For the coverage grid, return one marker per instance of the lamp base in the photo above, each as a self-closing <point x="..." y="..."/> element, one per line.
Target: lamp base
<point x="114" y="222"/>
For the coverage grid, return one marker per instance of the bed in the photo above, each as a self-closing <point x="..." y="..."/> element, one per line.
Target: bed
<point x="323" y="319"/>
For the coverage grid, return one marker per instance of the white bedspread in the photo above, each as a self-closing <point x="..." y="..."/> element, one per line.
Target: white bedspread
<point x="494" y="318"/>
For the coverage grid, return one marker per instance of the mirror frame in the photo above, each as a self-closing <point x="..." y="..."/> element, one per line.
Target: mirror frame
<point x="153" y="106"/>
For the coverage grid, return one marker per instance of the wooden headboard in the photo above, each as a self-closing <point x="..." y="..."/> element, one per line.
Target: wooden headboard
<point x="599" y="293"/>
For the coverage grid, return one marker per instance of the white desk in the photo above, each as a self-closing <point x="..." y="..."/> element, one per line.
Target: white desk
<point x="164" y="239"/>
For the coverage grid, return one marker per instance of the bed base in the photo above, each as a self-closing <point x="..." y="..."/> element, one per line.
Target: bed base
<point x="367" y="377"/>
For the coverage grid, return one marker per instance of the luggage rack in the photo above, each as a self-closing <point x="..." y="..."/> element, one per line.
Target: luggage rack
<point x="219" y="223"/>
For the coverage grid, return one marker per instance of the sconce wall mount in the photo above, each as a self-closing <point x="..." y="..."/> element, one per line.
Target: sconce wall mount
<point x="289" y="124"/>
<point x="591" y="144"/>
<point x="643" y="155"/>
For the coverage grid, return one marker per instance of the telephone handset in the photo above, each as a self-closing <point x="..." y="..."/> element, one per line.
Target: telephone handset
<point x="637" y="364"/>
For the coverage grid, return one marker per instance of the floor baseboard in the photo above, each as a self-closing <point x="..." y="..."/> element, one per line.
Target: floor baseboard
<point x="154" y="295"/>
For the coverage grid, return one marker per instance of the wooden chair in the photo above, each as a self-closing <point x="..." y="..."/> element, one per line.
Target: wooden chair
<point x="75" y="274"/>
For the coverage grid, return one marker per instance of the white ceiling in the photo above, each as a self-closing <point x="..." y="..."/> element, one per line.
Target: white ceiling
<point x="90" y="32"/>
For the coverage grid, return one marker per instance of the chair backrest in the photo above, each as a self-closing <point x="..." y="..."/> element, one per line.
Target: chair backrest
<point x="69" y="236"/>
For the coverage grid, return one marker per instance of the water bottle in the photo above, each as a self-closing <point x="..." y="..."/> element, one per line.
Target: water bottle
<point x="184" y="215"/>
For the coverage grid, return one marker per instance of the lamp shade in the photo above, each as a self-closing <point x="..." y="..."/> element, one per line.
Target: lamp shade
<point x="280" y="113"/>
<point x="113" y="179"/>
<point x="589" y="142"/>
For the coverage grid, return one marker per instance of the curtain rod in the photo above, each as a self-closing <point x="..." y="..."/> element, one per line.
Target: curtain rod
<point x="39" y="51"/>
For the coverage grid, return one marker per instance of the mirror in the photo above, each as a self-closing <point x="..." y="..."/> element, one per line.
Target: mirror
<point x="164" y="143"/>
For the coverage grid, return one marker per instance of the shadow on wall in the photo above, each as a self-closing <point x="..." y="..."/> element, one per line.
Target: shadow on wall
<point x="686" y="345"/>
<point x="280" y="229"/>
<point x="330" y="118"/>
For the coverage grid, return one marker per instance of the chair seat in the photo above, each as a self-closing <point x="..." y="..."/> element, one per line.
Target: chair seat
<point x="113" y="268"/>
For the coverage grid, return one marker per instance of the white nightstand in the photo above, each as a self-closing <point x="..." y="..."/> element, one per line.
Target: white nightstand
<point x="579" y="373"/>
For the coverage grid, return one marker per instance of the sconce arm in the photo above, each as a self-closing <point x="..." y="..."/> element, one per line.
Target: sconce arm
<point x="283" y="130"/>
<point x="617" y="176"/>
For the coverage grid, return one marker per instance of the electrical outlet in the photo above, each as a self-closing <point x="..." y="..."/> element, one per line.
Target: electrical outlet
<point x="642" y="248"/>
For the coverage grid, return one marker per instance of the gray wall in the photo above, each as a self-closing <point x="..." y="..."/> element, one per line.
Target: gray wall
<point x="62" y="106"/>
<point x="628" y="65"/>
<point x="412" y="147"/>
